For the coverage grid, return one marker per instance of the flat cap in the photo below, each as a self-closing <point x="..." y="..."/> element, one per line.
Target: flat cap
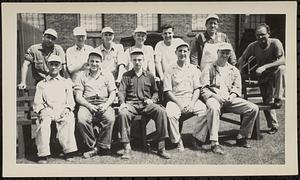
<point x="55" y="58"/>
<point x="107" y="29"/>
<point x="79" y="31"/>
<point x="51" y="32"/>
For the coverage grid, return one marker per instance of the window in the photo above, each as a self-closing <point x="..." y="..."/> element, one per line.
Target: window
<point x="149" y="21"/>
<point x="198" y="22"/>
<point x="91" y="22"/>
<point x="252" y="20"/>
<point x="35" y="19"/>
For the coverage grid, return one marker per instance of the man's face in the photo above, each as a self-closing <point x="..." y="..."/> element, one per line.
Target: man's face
<point x="168" y="34"/>
<point x="140" y="37"/>
<point x="54" y="67"/>
<point x="182" y="53"/>
<point x="223" y="55"/>
<point x="262" y="35"/>
<point x="94" y="62"/>
<point x="212" y="25"/>
<point x="108" y="37"/>
<point x="137" y="61"/>
<point x="48" y="41"/>
<point x="79" y="40"/>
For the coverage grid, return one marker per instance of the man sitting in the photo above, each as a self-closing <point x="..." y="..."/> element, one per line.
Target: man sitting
<point x="137" y="95"/>
<point x="222" y="89"/>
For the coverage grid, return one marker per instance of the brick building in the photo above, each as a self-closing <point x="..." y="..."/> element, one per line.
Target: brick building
<point x="239" y="28"/>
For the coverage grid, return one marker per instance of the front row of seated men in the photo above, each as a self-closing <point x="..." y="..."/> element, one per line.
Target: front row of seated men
<point x="189" y="92"/>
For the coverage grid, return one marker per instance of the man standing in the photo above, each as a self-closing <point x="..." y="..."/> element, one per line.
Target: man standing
<point x="113" y="54"/>
<point x="138" y="94"/>
<point x="182" y="87"/>
<point x="37" y="56"/>
<point x="270" y="59"/>
<point x="222" y="89"/>
<point x="165" y="50"/>
<point x="77" y="55"/>
<point x="95" y="92"/>
<point x="53" y="101"/>
<point x="205" y="45"/>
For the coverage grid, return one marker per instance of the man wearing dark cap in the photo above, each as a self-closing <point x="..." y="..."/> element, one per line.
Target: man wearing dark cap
<point x="222" y="89"/>
<point x="95" y="91"/>
<point x="37" y="56"/>
<point x="138" y="94"/>
<point x="205" y="45"/>
<point x="182" y="89"/>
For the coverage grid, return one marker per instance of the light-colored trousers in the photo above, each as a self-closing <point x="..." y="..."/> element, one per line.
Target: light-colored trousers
<point x="174" y="113"/>
<point x="238" y="105"/>
<point x="65" y="133"/>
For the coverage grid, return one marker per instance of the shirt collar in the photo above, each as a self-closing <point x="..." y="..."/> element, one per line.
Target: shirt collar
<point x="79" y="49"/>
<point x="132" y="73"/>
<point x="112" y="47"/>
<point x="207" y="36"/>
<point x="99" y="73"/>
<point x="49" y="78"/>
<point x="229" y="66"/>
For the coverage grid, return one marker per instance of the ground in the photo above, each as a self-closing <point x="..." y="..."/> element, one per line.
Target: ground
<point x="269" y="150"/>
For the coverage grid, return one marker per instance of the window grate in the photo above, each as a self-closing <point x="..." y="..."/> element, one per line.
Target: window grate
<point x="198" y="22"/>
<point x="91" y="22"/>
<point x="35" y="19"/>
<point x="148" y="21"/>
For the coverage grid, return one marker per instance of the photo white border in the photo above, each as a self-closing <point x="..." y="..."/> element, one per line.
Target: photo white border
<point x="9" y="50"/>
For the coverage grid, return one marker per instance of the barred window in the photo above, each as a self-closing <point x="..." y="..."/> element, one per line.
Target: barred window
<point x="149" y="21"/>
<point x="91" y="22"/>
<point x="35" y="19"/>
<point x="253" y="20"/>
<point x="198" y="22"/>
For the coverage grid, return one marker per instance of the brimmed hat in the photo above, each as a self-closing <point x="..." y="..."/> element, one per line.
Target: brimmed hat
<point x="79" y="31"/>
<point x="212" y="16"/>
<point x="107" y="29"/>
<point x="51" y="32"/>
<point x="140" y="29"/>
<point x="97" y="52"/>
<point x="182" y="43"/>
<point x="55" y="58"/>
<point x="225" y="46"/>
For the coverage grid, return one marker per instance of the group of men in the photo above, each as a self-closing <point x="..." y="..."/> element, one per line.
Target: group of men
<point x="196" y="81"/>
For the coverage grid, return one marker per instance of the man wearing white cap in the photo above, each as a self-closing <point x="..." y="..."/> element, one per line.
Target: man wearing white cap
<point x="205" y="45"/>
<point x="182" y="88"/>
<point x="37" y="56"/>
<point x="53" y="101"/>
<point x="140" y="36"/>
<point x="138" y="94"/>
<point x="113" y="54"/>
<point x="222" y="89"/>
<point x="95" y="91"/>
<point x="77" y="55"/>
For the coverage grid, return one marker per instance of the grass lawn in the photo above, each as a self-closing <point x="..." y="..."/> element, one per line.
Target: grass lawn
<point x="269" y="150"/>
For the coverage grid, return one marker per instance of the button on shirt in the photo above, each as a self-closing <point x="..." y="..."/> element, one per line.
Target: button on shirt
<point x="113" y="57"/>
<point x="182" y="81"/>
<point x="38" y="59"/>
<point x="102" y="84"/>
<point x="77" y="59"/>
<point x="55" y="93"/>
<point x="134" y="88"/>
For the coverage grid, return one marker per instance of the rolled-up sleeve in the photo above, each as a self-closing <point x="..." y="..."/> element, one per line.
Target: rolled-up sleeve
<point x="29" y="55"/>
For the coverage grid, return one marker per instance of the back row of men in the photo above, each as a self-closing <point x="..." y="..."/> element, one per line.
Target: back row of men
<point x="202" y="91"/>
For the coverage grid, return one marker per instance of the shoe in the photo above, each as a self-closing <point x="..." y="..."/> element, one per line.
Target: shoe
<point x="126" y="154"/>
<point x="69" y="157"/>
<point x="164" y="154"/>
<point x="90" y="153"/>
<point x="43" y="160"/>
<point x="277" y="103"/>
<point x="180" y="146"/>
<point x="217" y="149"/>
<point x="273" y="130"/>
<point x="242" y="143"/>
<point x="196" y="144"/>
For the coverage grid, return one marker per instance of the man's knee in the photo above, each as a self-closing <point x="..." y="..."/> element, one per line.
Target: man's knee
<point x="213" y="105"/>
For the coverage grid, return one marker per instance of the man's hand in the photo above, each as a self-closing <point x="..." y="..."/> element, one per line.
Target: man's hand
<point x="123" y="105"/>
<point x="22" y="85"/>
<point x="65" y="112"/>
<point x="231" y="97"/>
<point x="188" y="108"/>
<point x="148" y="101"/>
<point x="102" y="107"/>
<point x="260" y="70"/>
<point x="92" y="108"/>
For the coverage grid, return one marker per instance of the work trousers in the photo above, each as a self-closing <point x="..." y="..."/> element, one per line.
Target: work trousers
<point x="151" y="111"/>
<point x="200" y="127"/>
<point x="103" y="122"/>
<point x="238" y="106"/>
<point x="65" y="133"/>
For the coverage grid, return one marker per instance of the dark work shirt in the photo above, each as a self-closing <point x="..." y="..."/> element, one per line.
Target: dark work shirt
<point x="134" y="88"/>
